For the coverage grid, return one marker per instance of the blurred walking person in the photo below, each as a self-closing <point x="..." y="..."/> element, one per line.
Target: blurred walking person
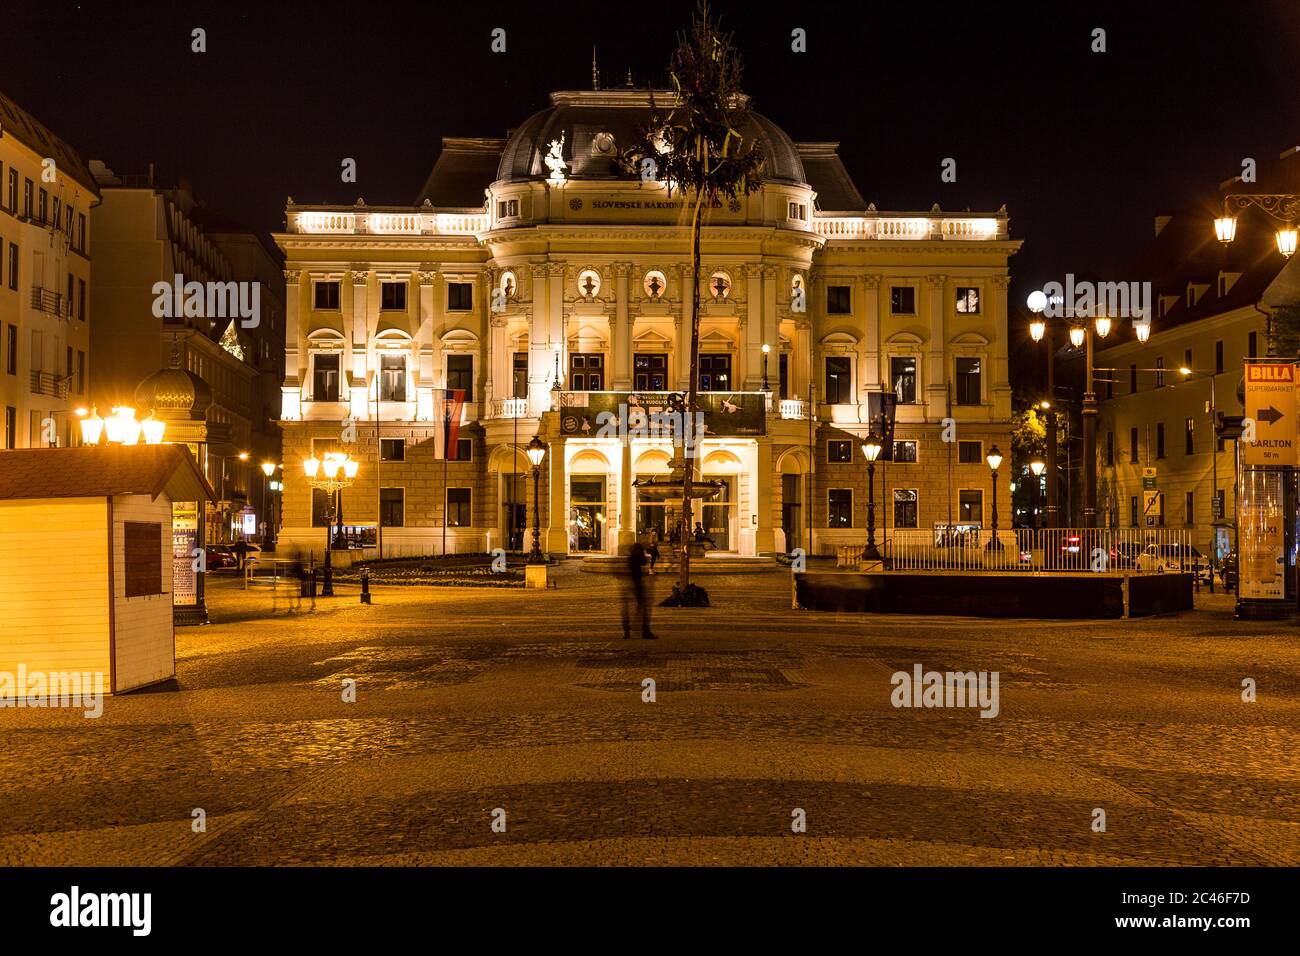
<point x="634" y="592"/>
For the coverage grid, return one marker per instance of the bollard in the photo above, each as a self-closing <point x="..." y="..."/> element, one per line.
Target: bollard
<point x="365" y="585"/>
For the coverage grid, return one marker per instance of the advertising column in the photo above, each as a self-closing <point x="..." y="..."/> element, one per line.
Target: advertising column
<point x="1266" y="503"/>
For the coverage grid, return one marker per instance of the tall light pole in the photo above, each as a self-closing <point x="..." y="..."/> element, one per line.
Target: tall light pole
<point x="871" y="449"/>
<point x="766" y="349"/>
<point x="1036" y="468"/>
<point x="536" y="452"/>
<point x="1214" y="440"/>
<point x="1081" y="337"/>
<point x="994" y="459"/>
<point x="1037" y="330"/>
<point x="268" y="469"/>
<point x="336" y="472"/>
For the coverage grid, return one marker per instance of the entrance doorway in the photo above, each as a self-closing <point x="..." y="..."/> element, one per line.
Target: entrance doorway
<point x="791" y="522"/>
<point x="586" y="513"/>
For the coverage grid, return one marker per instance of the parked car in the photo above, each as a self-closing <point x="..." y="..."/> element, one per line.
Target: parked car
<point x="219" y="557"/>
<point x="1124" y="555"/>
<point x="1174" y="557"/>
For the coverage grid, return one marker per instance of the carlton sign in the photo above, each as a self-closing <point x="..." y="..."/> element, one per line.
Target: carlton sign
<point x="1271" y="405"/>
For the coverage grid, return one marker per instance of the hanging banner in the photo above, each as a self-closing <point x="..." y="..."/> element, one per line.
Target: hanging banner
<point x="1271" y="405"/>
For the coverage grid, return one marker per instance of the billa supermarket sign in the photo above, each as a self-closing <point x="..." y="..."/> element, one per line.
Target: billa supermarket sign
<point x="1271" y="405"/>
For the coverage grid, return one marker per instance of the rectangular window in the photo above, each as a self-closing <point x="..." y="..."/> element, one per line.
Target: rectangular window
<point x="904" y="451"/>
<point x="142" y="543"/>
<point x="520" y="375"/>
<point x="1133" y="445"/>
<point x="11" y="427"/>
<point x="797" y="210"/>
<point x="320" y="508"/>
<point x="650" y="371"/>
<point x="464" y="449"/>
<point x="392" y="296"/>
<point x="13" y="191"/>
<point x="327" y="294"/>
<point x="968" y="300"/>
<point x="970" y="452"/>
<point x="902" y="300"/>
<point x="902" y="373"/>
<point x="970" y="506"/>
<point x="715" y="373"/>
<point x="392" y="378"/>
<point x="81" y="232"/>
<point x="507" y="208"/>
<point x="460" y="373"/>
<point x="13" y="265"/>
<point x="1189" y="508"/>
<point x="1134" y="518"/>
<point x="11" y="350"/>
<point x="458" y="508"/>
<point x="1110" y="448"/>
<point x="839" y="451"/>
<point x="1218" y="357"/>
<point x="839" y="508"/>
<point x="1160" y="439"/>
<point x="42" y="206"/>
<point x="27" y="198"/>
<point x="968" y="381"/>
<point x="783" y="375"/>
<point x="57" y="214"/>
<point x="1189" y="434"/>
<point x="1160" y="376"/>
<point x="839" y="300"/>
<point x="392" y="507"/>
<point x="460" y="296"/>
<point x="586" y="371"/>
<point x="905" y="508"/>
<point x="839" y="380"/>
<point x="325" y="378"/>
<point x="1252" y="343"/>
<point x="392" y="449"/>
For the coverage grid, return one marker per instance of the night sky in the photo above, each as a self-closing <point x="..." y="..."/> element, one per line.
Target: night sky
<point x="1084" y="148"/>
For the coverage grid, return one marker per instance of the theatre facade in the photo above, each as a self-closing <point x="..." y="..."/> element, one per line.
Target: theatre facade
<point x="550" y="286"/>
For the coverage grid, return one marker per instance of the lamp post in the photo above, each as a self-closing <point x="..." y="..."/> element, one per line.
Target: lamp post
<point x="766" y="349"/>
<point x="1081" y="337"/>
<point x="332" y="475"/>
<point x="120" y="428"/>
<point x="871" y="449"/>
<point x="1037" y="330"/>
<point x="994" y="459"/>
<point x="1037" y="468"/>
<point x="536" y="451"/>
<point x="268" y="469"/>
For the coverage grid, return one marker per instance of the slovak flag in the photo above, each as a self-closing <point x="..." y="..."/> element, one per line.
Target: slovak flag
<point x="447" y="406"/>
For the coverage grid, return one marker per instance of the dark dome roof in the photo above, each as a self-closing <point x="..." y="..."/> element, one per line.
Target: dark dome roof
<point x="175" y="393"/>
<point x="580" y="116"/>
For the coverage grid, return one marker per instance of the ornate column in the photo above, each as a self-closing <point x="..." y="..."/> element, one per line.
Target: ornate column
<point x="1000" y="382"/>
<point x="539" y="351"/>
<point x="557" y="332"/>
<point x="621" y="337"/>
<point x="295" y="357"/>
<point x="869" y="373"/>
<point x="937" y="367"/>
<point x="754" y="329"/>
<point x="557" y="530"/>
<point x="356" y="351"/>
<point x="626" y="518"/>
<point x="771" y="330"/>
<point x="424" y="341"/>
<point x="765" y="536"/>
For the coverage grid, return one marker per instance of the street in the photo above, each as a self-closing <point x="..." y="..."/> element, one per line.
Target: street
<point x="475" y="700"/>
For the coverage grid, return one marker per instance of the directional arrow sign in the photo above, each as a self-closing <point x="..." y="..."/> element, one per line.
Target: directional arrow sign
<point x="1271" y="400"/>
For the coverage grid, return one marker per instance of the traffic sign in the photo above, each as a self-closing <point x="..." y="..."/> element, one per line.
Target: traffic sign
<point x="1271" y="404"/>
<point x="1153" y="506"/>
<point x="1148" y="479"/>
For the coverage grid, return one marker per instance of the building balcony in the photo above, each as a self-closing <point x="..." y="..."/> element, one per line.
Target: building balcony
<point x="43" y="300"/>
<point x="912" y="228"/>
<point x="509" y="408"/>
<point x="392" y="221"/>
<point x="47" y="383"/>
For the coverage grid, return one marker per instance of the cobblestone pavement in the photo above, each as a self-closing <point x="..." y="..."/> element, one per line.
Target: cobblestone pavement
<point x="469" y="700"/>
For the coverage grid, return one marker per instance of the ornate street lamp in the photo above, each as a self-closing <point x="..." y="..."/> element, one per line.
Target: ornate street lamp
<point x="331" y="476"/>
<point x="994" y="459"/>
<point x="766" y="349"/>
<point x="92" y="426"/>
<point x="1282" y="208"/>
<point x="536" y="451"/>
<point x="1037" y="468"/>
<point x="871" y="449"/>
